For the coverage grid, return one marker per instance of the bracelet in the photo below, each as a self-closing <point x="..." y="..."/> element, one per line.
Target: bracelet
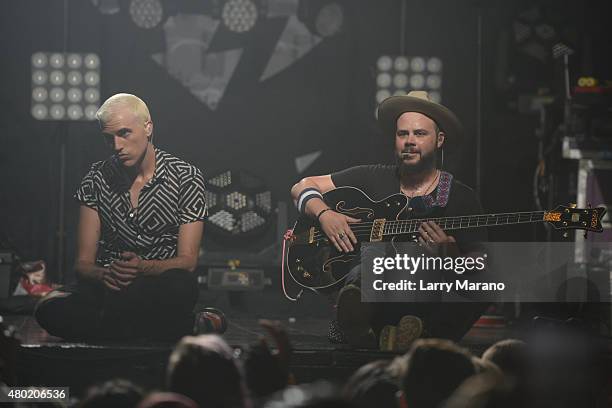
<point x="322" y="211"/>
<point x="305" y="195"/>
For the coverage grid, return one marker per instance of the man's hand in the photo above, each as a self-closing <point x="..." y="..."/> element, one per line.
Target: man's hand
<point x="336" y="227"/>
<point x="123" y="272"/>
<point x="430" y="235"/>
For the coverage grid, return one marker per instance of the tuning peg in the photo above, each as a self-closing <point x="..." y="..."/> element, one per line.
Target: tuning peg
<point x="573" y="205"/>
<point x="565" y="234"/>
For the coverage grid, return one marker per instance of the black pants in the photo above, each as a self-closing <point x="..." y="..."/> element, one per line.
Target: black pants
<point x="154" y="307"/>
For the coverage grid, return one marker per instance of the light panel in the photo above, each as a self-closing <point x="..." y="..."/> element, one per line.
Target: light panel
<point x="65" y="86"/>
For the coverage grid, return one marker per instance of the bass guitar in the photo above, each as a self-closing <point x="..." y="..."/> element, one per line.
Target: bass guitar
<point x="314" y="263"/>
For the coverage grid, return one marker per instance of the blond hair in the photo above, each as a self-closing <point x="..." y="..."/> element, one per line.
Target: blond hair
<point x="132" y="102"/>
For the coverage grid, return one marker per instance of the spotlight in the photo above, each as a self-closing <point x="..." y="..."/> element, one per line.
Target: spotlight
<point x="240" y="16"/>
<point x="534" y="35"/>
<point x="324" y="18"/>
<point x="65" y="86"/>
<point x="384" y="63"/>
<point x="396" y="75"/>
<point x="146" y="14"/>
<point x="329" y="20"/>
<point x="74" y="61"/>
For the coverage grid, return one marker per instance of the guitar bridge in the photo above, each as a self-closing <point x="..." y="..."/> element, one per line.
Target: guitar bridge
<point x="377" y="230"/>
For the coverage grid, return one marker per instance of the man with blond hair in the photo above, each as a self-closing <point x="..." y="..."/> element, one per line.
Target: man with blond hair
<point x="140" y="226"/>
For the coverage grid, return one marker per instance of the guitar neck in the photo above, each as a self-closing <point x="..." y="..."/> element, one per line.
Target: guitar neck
<point x="466" y="221"/>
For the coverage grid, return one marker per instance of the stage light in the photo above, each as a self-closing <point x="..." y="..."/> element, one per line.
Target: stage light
<point x="57" y="95"/>
<point x="74" y="78"/>
<point x="323" y="18"/>
<point x="417" y="64"/>
<point x="39" y="111"/>
<point x="74" y="61"/>
<point x="264" y="201"/>
<point x="250" y="220"/>
<point x="65" y="86"/>
<point x="57" y="112"/>
<point x="39" y="94"/>
<point x="434" y="82"/>
<point x="434" y="65"/>
<point x="236" y="200"/>
<point x="92" y="61"/>
<point x="75" y="95"/>
<point x="39" y="77"/>
<point x="92" y="78"/>
<point x="400" y="80"/>
<point x="92" y="95"/>
<point x="146" y="14"/>
<point x="239" y="205"/>
<point x="329" y="20"/>
<point x="397" y="75"/>
<point x="384" y="63"/>
<point x="383" y="80"/>
<point x="56" y="78"/>
<point x="39" y="60"/>
<point x="417" y="81"/>
<point x="75" y="112"/>
<point x="534" y="33"/>
<point x="221" y="180"/>
<point x="90" y="112"/>
<point x="239" y="15"/>
<point x="401" y="63"/>
<point x="56" y="60"/>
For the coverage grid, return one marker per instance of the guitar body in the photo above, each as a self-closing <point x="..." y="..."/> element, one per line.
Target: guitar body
<point x="312" y="260"/>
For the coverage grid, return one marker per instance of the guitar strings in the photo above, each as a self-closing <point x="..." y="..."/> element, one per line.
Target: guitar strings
<point x="365" y="227"/>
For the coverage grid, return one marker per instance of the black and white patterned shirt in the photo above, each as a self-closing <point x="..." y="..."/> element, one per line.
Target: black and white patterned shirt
<point x="174" y="196"/>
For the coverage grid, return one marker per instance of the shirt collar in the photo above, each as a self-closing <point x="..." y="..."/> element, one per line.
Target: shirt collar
<point x="161" y="167"/>
<point x="113" y="174"/>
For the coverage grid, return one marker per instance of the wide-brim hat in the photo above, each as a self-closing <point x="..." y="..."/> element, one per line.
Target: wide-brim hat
<point x="418" y="101"/>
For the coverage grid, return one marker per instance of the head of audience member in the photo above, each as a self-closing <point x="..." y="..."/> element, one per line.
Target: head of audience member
<point x="316" y="395"/>
<point x="264" y="372"/>
<point x="117" y="393"/>
<point x="167" y="400"/>
<point x="434" y="369"/>
<point x="489" y="389"/>
<point x="510" y="356"/>
<point x="204" y="369"/>
<point x="374" y="384"/>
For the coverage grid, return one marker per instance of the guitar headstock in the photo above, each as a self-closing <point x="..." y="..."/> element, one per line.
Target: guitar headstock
<point x="569" y="217"/>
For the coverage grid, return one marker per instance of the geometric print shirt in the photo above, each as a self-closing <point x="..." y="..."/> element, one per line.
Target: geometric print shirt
<point x="174" y="196"/>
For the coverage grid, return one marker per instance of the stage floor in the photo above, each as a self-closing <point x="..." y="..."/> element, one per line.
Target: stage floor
<point x="47" y="360"/>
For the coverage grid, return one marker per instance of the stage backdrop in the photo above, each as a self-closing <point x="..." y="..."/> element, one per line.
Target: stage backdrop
<point x="292" y="95"/>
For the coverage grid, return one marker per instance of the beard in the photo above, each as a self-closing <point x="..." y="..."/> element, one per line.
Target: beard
<point x="426" y="162"/>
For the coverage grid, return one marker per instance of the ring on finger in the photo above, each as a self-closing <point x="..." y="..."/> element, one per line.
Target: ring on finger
<point x="341" y="235"/>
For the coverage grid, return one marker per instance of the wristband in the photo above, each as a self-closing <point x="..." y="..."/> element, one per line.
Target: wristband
<point x="321" y="212"/>
<point x="305" y="195"/>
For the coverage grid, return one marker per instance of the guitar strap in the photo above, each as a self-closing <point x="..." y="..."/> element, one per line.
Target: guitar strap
<point x="424" y="206"/>
<point x="442" y="192"/>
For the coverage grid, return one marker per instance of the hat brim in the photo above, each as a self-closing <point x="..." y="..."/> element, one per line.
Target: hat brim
<point x="391" y="108"/>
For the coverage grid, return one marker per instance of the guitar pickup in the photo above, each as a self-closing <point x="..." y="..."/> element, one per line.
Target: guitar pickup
<point x="377" y="230"/>
<point x="311" y="233"/>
